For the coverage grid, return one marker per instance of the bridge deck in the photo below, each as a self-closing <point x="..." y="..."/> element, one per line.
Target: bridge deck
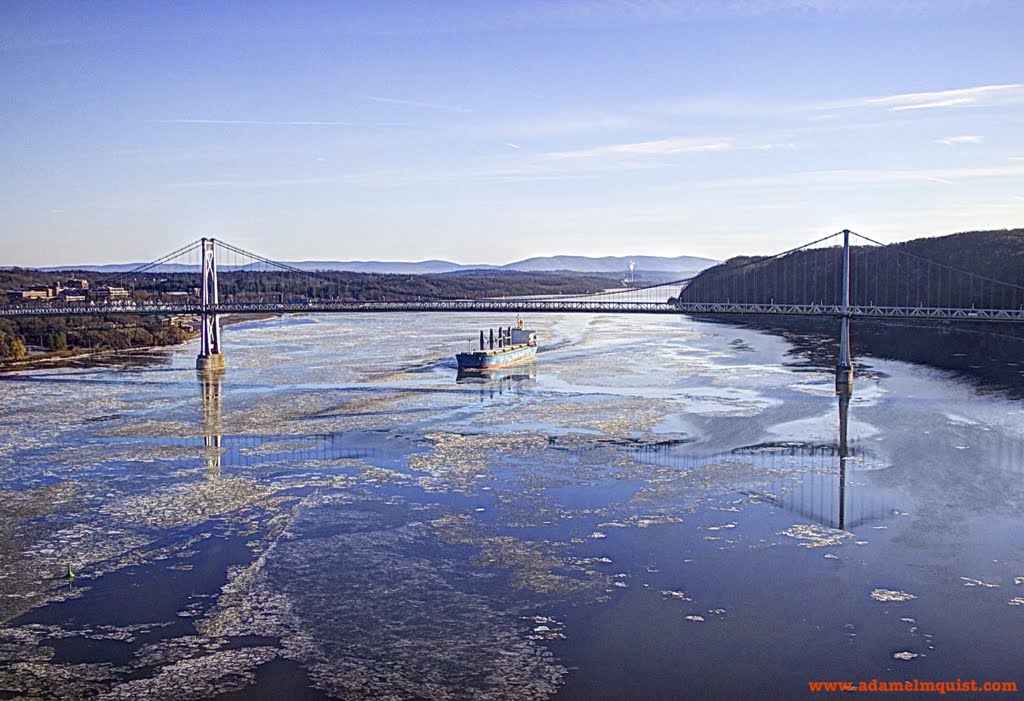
<point x="523" y="306"/>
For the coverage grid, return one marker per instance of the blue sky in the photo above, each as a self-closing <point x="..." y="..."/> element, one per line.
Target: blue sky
<point x="489" y="132"/>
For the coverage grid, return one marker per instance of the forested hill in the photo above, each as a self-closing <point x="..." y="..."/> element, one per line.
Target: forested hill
<point x="20" y="336"/>
<point x="903" y="274"/>
<point x="271" y="285"/>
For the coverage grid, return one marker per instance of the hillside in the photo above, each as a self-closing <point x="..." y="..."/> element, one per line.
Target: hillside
<point x="903" y="274"/>
<point x="20" y="335"/>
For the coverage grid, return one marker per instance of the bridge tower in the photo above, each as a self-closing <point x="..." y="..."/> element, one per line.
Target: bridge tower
<point x="844" y="368"/>
<point x="210" y="357"/>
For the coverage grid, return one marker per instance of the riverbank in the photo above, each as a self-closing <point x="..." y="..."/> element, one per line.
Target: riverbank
<point x="72" y="357"/>
<point x="989" y="356"/>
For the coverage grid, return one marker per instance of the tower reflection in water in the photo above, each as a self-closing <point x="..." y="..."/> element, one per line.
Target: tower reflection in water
<point x="816" y="487"/>
<point x="815" y="480"/>
<point x="844" y="415"/>
<point x="211" y="380"/>
<point x="824" y="493"/>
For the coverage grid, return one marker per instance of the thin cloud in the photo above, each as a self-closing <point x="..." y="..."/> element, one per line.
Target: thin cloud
<point x="965" y="139"/>
<point x="730" y="106"/>
<point x="786" y="146"/>
<point x="959" y="97"/>
<point x="619" y="12"/>
<point x="258" y="122"/>
<point x="233" y="182"/>
<point x="385" y="177"/>
<point x="284" y="123"/>
<point x="417" y="103"/>
<point x="553" y="125"/>
<point x="720" y="105"/>
<point x="662" y="147"/>
<point x="827" y="178"/>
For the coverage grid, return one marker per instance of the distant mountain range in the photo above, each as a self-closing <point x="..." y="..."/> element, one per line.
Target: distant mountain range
<point x="579" y="264"/>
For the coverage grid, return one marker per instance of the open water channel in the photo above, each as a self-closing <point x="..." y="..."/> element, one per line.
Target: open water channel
<point x="654" y="508"/>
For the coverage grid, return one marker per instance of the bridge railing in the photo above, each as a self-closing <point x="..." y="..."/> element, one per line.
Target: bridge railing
<point x="520" y="306"/>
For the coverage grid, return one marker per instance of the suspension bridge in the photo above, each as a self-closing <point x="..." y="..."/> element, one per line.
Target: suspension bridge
<point x="827" y="277"/>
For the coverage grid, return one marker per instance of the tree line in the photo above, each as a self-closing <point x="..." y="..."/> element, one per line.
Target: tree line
<point x="922" y="272"/>
<point x="20" y="335"/>
<point x="339" y="285"/>
<point x="65" y="333"/>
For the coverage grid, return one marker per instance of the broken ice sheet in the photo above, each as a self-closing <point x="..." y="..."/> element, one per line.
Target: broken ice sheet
<point x="815" y="536"/>
<point x="546" y="628"/>
<point x="678" y="595"/>
<point x="35" y="559"/>
<point x="198" y="677"/>
<point x="891" y="595"/>
<point x="724" y="526"/>
<point x="374" y="606"/>
<point x="458" y="460"/>
<point x="971" y="582"/>
<point x="609" y="416"/>
<point x="536" y="566"/>
<point x="189" y="503"/>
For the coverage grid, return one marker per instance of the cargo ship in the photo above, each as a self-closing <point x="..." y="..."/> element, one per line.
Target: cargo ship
<point x="511" y="345"/>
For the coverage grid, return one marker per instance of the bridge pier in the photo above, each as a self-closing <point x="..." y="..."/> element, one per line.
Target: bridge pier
<point x="844" y="368"/>
<point x="210" y="356"/>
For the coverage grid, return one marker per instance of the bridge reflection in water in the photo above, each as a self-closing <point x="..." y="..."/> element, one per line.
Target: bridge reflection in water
<point x="811" y="480"/>
<point x="211" y="380"/>
<point x="827" y="497"/>
<point x="817" y="476"/>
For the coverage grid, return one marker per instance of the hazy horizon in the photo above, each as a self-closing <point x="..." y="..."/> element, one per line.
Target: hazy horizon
<point x="304" y="261"/>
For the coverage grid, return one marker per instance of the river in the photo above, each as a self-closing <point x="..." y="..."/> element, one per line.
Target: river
<point x="655" y="507"/>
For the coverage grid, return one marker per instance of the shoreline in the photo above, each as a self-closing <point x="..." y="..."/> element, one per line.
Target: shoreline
<point x="986" y="357"/>
<point x="987" y="360"/>
<point x="51" y="359"/>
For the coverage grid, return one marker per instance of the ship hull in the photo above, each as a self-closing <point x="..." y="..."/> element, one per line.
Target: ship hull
<point x="487" y="359"/>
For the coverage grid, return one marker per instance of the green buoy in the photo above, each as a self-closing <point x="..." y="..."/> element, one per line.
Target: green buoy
<point x="70" y="574"/>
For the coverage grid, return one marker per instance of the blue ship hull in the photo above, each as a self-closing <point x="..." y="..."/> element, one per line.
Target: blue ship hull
<point x="499" y="357"/>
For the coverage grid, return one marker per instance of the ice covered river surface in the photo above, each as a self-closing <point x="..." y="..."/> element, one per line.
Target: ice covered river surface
<point x="654" y="508"/>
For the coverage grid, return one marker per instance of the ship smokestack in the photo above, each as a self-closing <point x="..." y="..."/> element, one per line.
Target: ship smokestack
<point x="492" y="339"/>
<point x="481" y="339"/>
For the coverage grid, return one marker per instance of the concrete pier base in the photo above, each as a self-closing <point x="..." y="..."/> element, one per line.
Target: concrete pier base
<point x="844" y="381"/>
<point x="213" y="361"/>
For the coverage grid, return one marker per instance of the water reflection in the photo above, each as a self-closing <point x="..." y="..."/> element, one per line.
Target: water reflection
<point x="499" y="380"/>
<point x="844" y="415"/>
<point x="808" y="479"/>
<point x="816" y="478"/>
<point x="211" y="381"/>
<point x="987" y="356"/>
<point x="243" y="450"/>
<point x="825" y="496"/>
